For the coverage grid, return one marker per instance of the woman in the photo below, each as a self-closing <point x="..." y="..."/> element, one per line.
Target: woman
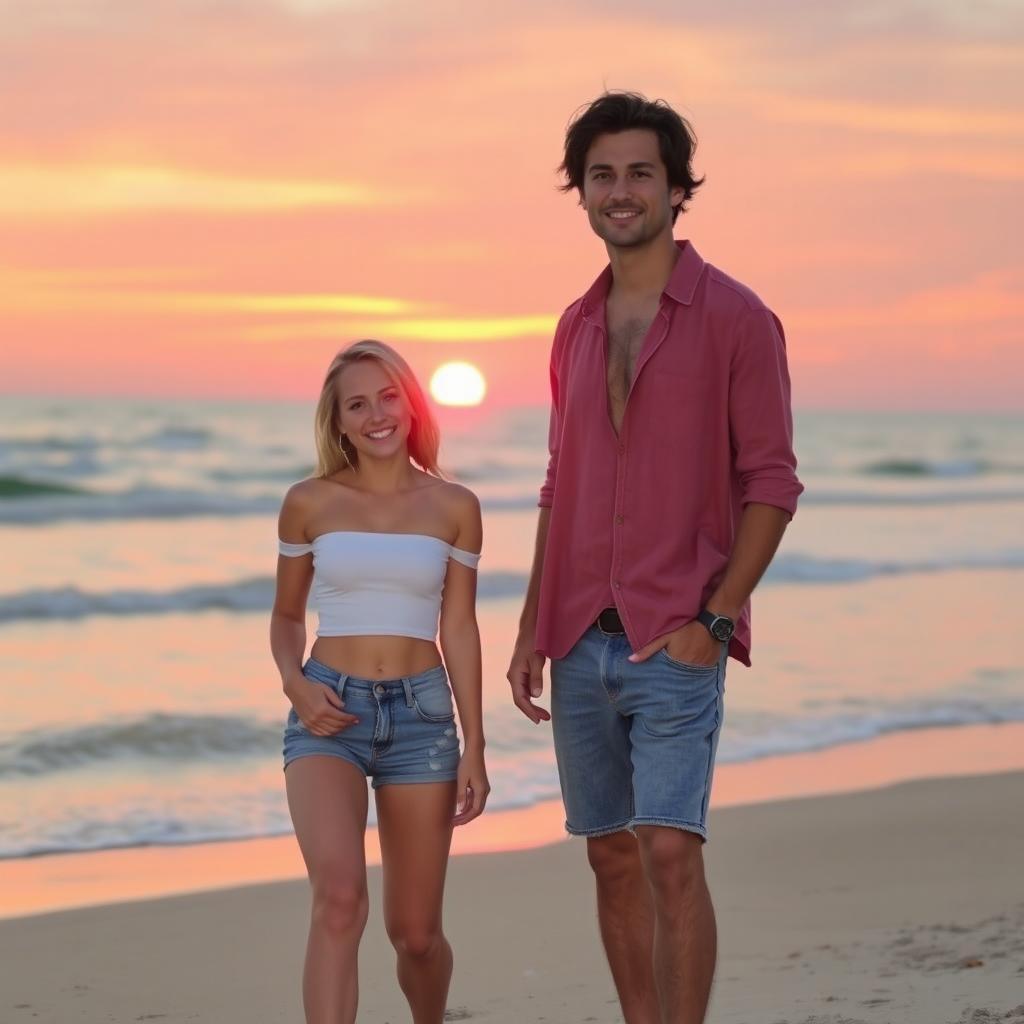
<point x="388" y="546"/>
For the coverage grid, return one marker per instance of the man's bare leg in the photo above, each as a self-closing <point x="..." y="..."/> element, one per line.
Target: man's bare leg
<point x="625" y="912"/>
<point x="685" y="935"/>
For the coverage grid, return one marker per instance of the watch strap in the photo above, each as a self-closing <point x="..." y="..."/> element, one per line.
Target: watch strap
<point x="707" y="619"/>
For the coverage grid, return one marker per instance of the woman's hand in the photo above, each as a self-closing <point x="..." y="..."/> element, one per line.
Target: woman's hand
<point x="472" y="787"/>
<point x="319" y="708"/>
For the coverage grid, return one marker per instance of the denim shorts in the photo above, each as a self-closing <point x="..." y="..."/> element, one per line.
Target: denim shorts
<point x="635" y="743"/>
<point x="406" y="730"/>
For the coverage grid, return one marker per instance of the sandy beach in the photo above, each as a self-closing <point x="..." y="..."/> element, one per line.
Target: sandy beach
<point x="898" y="904"/>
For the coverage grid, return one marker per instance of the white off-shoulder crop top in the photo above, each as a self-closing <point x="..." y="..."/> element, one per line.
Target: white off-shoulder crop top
<point x="378" y="584"/>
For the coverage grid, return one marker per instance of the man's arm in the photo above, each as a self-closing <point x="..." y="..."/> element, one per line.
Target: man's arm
<point x="761" y="429"/>
<point x="757" y="539"/>
<point x="526" y="670"/>
<point x="761" y="426"/>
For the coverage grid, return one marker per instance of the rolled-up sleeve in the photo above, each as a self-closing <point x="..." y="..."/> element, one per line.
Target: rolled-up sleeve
<point x="760" y="414"/>
<point x="547" y="491"/>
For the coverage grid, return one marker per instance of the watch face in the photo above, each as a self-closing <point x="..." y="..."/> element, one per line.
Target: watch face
<point x="722" y="628"/>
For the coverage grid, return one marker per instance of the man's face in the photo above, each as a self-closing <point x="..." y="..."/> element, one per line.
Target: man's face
<point x="625" y="189"/>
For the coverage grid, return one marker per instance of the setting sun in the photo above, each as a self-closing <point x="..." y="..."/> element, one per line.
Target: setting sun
<point x="458" y="384"/>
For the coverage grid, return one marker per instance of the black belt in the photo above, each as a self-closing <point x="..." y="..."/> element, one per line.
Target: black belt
<point x="610" y="622"/>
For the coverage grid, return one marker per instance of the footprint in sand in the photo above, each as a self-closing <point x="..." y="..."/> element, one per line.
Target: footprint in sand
<point x="984" y="1016"/>
<point x="833" y="1020"/>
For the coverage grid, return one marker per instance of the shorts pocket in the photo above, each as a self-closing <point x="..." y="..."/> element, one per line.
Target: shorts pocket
<point x="317" y="673"/>
<point x="686" y="666"/>
<point x="684" y="703"/>
<point x="433" y="702"/>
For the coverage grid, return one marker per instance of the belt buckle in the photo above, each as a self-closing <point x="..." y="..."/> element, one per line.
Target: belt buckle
<point x="609" y="621"/>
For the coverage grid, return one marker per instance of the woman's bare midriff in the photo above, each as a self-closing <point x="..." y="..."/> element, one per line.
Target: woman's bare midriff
<point x="376" y="657"/>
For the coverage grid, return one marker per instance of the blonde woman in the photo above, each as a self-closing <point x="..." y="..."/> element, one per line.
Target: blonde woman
<point x="390" y="549"/>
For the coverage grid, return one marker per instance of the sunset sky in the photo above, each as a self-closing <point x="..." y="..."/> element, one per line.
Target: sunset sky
<point x="210" y="198"/>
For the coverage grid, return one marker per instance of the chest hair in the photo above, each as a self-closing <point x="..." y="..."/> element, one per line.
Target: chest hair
<point x="625" y="339"/>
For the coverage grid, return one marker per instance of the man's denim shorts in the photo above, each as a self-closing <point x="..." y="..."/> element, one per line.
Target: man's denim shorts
<point x="406" y="731"/>
<point x="635" y="743"/>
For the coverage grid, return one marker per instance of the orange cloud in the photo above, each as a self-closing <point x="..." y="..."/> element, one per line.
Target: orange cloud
<point x="422" y="329"/>
<point x="39" y="292"/>
<point x="102" y="291"/>
<point x="902" y="118"/>
<point x="49" y="190"/>
<point x="918" y="162"/>
<point x="986" y="299"/>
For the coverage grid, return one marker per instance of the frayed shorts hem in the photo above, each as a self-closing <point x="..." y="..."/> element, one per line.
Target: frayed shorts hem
<point x="406" y="780"/>
<point x="375" y="782"/>
<point x="596" y="833"/>
<point x="325" y="753"/>
<point x="683" y="826"/>
<point x="631" y="826"/>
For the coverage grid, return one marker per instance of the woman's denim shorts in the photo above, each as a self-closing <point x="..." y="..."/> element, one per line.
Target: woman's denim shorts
<point x="406" y="730"/>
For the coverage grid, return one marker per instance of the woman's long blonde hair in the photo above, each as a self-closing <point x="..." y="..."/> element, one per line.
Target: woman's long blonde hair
<point x="332" y="454"/>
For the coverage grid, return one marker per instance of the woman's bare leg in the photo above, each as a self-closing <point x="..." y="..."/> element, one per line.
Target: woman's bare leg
<point x="414" y="821"/>
<point x="327" y="799"/>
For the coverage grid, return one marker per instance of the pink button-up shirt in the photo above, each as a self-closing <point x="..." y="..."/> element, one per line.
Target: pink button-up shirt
<point x="645" y="521"/>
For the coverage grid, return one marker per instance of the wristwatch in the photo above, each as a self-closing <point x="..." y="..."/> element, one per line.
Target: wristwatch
<point x="721" y="627"/>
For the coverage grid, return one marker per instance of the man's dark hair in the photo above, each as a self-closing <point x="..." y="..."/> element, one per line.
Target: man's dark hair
<point x="615" y="112"/>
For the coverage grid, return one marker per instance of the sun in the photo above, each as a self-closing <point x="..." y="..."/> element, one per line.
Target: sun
<point x="458" y="384"/>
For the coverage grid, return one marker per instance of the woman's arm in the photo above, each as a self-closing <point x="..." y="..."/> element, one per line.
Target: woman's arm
<point x="294" y="577"/>
<point x="460" y="645"/>
<point x="318" y="707"/>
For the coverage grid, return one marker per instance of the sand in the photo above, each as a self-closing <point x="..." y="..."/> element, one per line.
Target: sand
<point x="901" y="904"/>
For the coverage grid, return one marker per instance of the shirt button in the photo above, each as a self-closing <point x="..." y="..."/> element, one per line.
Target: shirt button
<point x="622" y="449"/>
<point x="619" y="520"/>
<point x="618" y="584"/>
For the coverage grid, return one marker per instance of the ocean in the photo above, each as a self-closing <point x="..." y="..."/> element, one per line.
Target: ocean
<point x="141" y="706"/>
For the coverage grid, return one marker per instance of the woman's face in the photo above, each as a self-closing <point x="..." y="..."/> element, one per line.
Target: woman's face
<point x="373" y="411"/>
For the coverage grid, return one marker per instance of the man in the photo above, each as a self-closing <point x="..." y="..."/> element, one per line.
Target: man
<point x="670" y="483"/>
